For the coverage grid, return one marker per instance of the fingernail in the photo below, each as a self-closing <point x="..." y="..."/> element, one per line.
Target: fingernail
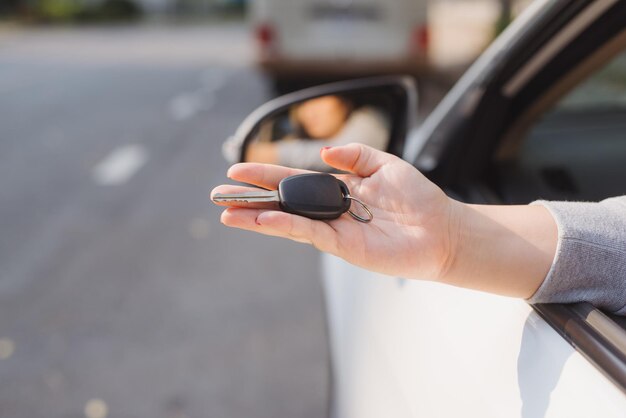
<point x="256" y="221"/>
<point x="230" y="170"/>
<point x="325" y="149"/>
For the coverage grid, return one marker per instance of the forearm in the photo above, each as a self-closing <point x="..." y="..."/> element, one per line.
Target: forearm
<point x="506" y="250"/>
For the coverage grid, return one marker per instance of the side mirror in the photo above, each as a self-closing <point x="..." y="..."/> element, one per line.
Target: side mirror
<point x="291" y="130"/>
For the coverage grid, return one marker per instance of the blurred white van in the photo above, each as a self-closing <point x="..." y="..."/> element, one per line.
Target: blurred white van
<point x="340" y="38"/>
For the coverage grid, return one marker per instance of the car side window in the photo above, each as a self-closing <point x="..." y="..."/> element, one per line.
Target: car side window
<point x="605" y="89"/>
<point x="577" y="149"/>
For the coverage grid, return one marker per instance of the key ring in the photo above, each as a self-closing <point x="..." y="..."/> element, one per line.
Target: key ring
<point x="365" y="208"/>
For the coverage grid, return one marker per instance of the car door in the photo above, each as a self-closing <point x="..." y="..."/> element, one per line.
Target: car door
<point x="409" y="348"/>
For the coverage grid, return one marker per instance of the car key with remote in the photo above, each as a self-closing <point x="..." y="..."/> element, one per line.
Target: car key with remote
<point x="315" y="196"/>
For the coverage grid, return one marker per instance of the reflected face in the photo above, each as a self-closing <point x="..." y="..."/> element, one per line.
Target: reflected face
<point x="323" y="117"/>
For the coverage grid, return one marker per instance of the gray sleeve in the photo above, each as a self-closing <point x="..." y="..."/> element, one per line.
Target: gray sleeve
<point x="590" y="260"/>
<point x="367" y="126"/>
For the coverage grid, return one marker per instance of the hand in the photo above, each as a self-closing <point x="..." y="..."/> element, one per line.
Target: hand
<point x="414" y="232"/>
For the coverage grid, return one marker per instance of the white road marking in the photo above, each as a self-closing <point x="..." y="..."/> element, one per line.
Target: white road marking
<point x="189" y="104"/>
<point x="7" y="347"/>
<point x="185" y="106"/>
<point x="120" y="165"/>
<point x="96" y="408"/>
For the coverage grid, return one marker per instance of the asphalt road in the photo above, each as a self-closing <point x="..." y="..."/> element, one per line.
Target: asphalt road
<point x="121" y="294"/>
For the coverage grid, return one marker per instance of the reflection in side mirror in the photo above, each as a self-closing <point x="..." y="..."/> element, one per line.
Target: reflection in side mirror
<point x="295" y="136"/>
<point x="291" y="130"/>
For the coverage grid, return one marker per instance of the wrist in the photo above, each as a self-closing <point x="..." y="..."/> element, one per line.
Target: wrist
<point x="467" y="247"/>
<point x="506" y="250"/>
<point x="455" y="232"/>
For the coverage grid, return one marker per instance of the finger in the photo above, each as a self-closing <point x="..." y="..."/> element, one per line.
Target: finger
<point x="298" y="228"/>
<point x="233" y="189"/>
<point x="282" y="224"/>
<point x="356" y="158"/>
<point x="244" y="218"/>
<point x="263" y="175"/>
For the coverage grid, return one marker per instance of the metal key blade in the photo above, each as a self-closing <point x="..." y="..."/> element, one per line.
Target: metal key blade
<point x="250" y="197"/>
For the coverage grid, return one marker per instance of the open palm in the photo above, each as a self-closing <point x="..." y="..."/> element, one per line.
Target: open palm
<point x="411" y="234"/>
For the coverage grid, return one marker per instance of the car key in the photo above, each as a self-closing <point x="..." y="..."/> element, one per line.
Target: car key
<point x="315" y="196"/>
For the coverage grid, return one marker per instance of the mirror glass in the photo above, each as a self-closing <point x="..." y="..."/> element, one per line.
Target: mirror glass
<point x="294" y="137"/>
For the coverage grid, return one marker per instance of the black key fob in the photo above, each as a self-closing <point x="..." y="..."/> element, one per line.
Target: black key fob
<point x="315" y="196"/>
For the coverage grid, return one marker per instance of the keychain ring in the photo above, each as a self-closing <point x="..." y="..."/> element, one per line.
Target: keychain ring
<point x="365" y="208"/>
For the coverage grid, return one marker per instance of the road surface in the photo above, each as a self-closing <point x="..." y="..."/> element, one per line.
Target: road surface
<point x="121" y="294"/>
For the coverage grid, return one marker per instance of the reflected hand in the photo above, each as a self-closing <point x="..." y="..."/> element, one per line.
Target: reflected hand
<point x="414" y="230"/>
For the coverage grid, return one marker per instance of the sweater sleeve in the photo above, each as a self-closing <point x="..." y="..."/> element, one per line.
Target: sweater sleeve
<point x="590" y="260"/>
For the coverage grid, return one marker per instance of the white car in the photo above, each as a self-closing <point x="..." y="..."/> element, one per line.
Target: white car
<point x="541" y="114"/>
<point x="297" y="39"/>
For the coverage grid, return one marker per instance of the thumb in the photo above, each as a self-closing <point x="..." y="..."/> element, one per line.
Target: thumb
<point x="356" y="158"/>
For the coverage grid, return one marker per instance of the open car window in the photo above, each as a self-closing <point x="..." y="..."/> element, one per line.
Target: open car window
<point x="577" y="149"/>
<point x="604" y="90"/>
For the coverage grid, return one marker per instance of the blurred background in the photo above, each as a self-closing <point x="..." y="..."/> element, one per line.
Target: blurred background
<point x="121" y="294"/>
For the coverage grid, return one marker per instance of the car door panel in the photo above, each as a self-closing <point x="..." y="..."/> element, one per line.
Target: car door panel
<point x="423" y="349"/>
